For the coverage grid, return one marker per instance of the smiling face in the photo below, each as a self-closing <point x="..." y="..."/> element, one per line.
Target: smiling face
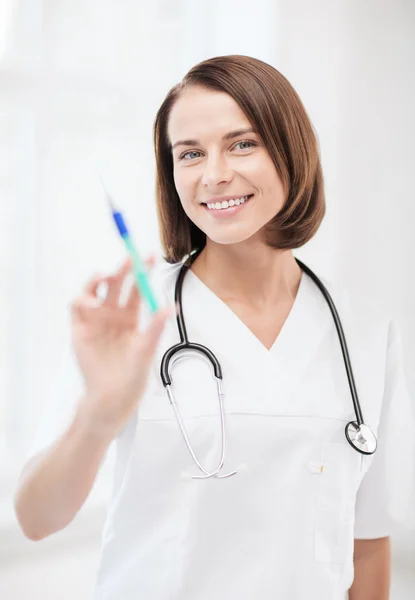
<point x="224" y="176"/>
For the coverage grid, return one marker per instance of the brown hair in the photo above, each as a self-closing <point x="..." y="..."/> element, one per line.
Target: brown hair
<point x="273" y="107"/>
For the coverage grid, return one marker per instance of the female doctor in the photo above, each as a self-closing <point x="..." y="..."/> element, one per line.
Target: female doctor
<point x="295" y="511"/>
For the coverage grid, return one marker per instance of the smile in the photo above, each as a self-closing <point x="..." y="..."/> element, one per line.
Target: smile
<point x="226" y="204"/>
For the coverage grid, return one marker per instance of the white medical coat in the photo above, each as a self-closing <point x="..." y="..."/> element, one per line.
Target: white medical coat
<point x="284" y="525"/>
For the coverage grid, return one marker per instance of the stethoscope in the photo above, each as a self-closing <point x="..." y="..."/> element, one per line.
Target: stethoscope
<point x="359" y="435"/>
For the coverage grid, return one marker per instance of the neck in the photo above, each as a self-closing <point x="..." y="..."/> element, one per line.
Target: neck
<point x="251" y="274"/>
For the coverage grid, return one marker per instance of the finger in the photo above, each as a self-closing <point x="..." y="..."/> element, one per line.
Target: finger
<point x="133" y="300"/>
<point x="150" y="261"/>
<point x="133" y="297"/>
<point x="81" y="305"/>
<point x="116" y="283"/>
<point x="124" y="268"/>
<point x="95" y="314"/>
<point x="127" y="265"/>
<point x="92" y="285"/>
<point x="114" y="289"/>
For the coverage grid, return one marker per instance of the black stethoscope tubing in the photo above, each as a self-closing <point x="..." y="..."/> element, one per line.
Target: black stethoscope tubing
<point x="342" y="338"/>
<point x="355" y="430"/>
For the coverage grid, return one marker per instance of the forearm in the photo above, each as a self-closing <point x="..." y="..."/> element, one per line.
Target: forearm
<point x="372" y="570"/>
<point x="56" y="484"/>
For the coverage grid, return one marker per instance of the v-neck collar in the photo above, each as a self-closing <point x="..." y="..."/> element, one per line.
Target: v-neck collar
<point x="230" y="319"/>
<point x="211" y="322"/>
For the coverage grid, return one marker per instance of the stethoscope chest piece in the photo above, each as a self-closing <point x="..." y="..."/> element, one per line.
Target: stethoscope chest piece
<point x="361" y="437"/>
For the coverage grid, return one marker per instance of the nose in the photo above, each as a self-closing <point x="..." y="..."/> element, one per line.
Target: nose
<point x="216" y="171"/>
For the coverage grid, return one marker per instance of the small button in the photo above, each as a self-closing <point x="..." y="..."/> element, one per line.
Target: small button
<point x="316" y="467"/>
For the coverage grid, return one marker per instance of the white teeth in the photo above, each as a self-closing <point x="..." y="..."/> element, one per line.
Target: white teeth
<point x="227" y="203"/>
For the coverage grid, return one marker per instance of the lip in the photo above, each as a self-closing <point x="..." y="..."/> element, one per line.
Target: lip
<point x="225" y="213"/>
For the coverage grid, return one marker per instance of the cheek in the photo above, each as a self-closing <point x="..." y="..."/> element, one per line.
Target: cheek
<point x="271" y="182"/>
<point x="184" y="185"/>
<point x="273" y="188"/>
<point x="260" y="169"/>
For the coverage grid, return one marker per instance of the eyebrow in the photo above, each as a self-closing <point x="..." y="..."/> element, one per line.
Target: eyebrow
<point x="228" y="136"/>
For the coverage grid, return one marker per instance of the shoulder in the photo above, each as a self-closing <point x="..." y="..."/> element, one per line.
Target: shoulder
<point x="372" y="338"/>
<point x="368" y="327"/>
<point x="361" y="309"/>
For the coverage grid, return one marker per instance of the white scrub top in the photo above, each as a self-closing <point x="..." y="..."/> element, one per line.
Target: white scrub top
<point x="284" y="525"/>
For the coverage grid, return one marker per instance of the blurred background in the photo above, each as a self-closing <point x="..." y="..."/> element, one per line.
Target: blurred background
<point x="80" y="83"/>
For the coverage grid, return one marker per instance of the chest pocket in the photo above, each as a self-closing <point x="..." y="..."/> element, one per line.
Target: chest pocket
<point x="194" y="388"/>
<point x="342" y="469"/>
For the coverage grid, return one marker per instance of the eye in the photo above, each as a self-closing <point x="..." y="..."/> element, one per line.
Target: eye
<point x="183" y="156"/>
<point x="248" y="144"/>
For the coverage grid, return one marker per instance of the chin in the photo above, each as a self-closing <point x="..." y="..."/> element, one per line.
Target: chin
<point x="228" y="238"/>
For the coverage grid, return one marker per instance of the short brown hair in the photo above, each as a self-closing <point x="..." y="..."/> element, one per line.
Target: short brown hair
<point x="273" y="107"/>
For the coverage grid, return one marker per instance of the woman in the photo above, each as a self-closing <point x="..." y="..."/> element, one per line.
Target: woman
<point x="296" y="511"/>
